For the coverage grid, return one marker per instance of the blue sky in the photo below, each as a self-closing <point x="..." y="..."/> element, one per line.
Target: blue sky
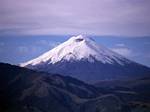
<point x="28" y="28"/>
<point x="16" y="49"/>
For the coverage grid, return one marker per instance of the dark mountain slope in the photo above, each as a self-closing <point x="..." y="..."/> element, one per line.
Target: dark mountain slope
<point x="135" y="93"/>
<point x="29" y="91"/>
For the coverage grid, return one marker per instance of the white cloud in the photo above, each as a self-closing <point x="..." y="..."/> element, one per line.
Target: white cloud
<point x="123" y="51"/>
<point x="100" y="17"/>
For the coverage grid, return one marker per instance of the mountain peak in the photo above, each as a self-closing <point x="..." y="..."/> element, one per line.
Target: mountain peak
<point x="81" y="38"/>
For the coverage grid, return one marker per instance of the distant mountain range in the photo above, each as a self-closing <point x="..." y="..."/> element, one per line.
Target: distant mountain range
<point x="81" y="57"/>
<point x="24" y="90"/>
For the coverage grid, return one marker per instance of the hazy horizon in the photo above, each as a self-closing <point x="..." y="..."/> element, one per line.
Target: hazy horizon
<point x="25" y="48"/>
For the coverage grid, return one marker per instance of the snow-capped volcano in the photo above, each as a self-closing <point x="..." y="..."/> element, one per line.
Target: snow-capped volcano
<point x="82" y="57"/>
<point x="78" y="48"/>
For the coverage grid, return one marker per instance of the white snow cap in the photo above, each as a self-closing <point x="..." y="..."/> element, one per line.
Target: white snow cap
<point x="75" y="49"/>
